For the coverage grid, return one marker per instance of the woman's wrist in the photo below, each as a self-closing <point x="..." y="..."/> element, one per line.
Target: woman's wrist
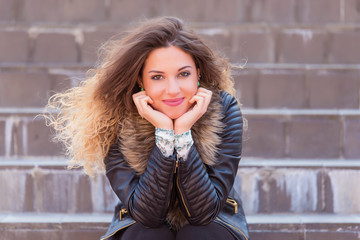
<point x="179" y="129"/>
<point x="168" y="125"/>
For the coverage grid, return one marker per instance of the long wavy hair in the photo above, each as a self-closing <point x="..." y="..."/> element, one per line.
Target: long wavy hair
<point x="89" y="117"/>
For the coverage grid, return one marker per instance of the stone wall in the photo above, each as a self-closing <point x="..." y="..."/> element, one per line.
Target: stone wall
<point x="297" y="74"/>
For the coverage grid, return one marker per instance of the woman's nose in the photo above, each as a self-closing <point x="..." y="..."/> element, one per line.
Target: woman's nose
<point x="173" y="87"/>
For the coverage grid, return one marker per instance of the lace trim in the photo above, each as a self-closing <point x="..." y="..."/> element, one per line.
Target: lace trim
<point x="167" y="141"/>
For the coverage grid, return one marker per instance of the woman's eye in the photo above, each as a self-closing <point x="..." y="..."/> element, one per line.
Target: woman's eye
<point x="184" y="74"/>
<point x="156" y="77"/>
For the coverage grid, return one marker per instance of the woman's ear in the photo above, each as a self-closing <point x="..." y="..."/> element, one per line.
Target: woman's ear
<point x="198" y="73"/>
<point x="139" y="82"/>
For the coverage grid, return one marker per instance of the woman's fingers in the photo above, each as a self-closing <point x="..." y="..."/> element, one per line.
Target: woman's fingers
<point x="201" y="102"/>
<point x="201" y="92"/>
<point x="202" y="99"/>
<point x="145" y="110"/>
<point x="142" y="102"/>
<point x="204" y="90"/>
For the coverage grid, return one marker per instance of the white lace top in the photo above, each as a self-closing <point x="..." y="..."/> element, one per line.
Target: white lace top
<point x="167" y="142"/>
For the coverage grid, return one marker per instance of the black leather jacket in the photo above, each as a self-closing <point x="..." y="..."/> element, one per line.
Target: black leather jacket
<point x="204" y="192"/>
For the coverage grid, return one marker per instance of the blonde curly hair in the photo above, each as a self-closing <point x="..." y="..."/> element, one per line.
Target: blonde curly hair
<point x="88" y="118"/>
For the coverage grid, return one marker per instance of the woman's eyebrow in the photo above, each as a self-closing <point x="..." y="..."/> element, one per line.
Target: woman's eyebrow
<point x="156" y="71"/>
<point x="184" y="68"/>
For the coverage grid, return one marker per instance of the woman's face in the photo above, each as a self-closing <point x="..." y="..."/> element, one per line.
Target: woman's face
<point x="170" y="80"/>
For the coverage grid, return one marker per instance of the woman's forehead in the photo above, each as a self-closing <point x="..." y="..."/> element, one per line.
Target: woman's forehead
<point x="168" y="58"/>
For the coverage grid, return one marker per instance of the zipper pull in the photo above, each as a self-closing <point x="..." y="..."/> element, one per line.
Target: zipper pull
<point x="176" y="165"/>
<point x="233" y="203"/>
<point x="122" y="212"/>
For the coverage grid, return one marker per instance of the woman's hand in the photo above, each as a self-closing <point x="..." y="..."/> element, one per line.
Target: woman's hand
<point x="187" y="120"/>
<point x="156" y="118"/>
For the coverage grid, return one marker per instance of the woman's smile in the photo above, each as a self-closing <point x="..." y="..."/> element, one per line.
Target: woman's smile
<point x="174" y="102"/>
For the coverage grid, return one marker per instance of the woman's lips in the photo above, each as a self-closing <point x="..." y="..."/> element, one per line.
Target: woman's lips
<point x="173" y="102"/>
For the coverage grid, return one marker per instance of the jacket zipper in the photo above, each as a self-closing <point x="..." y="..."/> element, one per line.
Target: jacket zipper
<point x="176" y="165"/>
<point x="122" y="212"/>
<point x="178" y="187"/>
<point x="233" y="203"/>
<point x="228" y="224"/>
<point x="117" y="231"/>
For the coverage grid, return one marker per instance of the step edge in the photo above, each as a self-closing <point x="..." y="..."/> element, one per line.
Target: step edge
<point x="245" y="162"/>
<point x="251" y="219"/>
<point x="300" y="163"/>
<point x="245" y="111"/>
<point x="236" y="66"/>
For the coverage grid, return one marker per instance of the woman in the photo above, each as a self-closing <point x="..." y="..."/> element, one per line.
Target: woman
<point x="159" y="115"/>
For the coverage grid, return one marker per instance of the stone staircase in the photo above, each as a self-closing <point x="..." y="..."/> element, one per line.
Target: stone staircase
<point x="297" y="71"/>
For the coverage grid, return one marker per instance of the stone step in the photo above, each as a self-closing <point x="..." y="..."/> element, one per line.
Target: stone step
<point x="302" y="134"/>
<point x="53" y="226"/>
<point x="252" y="43"/>
<point x="229" y="11"/>
<point x="298" y="186"/>
<point x="260" y="86"/>
<point x="92" y="226"/>
<point x="270" y="133"/>
<point x="304" y="226"/>
<point x="266" y="186"/>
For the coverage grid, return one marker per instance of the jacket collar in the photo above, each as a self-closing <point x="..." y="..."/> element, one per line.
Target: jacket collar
<point x="137" y="136"/>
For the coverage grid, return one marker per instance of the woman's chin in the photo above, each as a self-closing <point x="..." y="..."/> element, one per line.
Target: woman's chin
<point x="174" y="115"/>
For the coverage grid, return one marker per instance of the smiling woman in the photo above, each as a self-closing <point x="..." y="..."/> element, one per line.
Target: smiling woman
<point x="170" y="80"/>
<point x="160" y="116"/>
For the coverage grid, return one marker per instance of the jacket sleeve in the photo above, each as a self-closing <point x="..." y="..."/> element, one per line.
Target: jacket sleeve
<point x="146" y="196"/>
<point x="204" y="189"/>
